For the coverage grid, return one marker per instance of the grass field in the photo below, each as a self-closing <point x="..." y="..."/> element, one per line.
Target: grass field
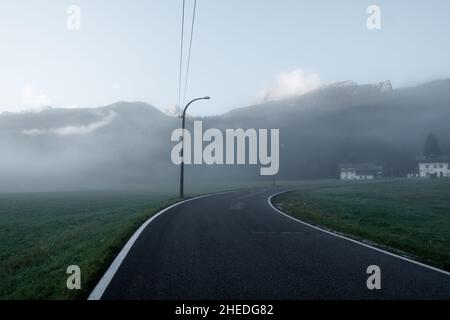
<point x="42" y="234"/>
<point x="411" y="216"/>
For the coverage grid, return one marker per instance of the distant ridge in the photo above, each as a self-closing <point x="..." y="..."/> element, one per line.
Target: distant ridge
<point x="129" y="142"/>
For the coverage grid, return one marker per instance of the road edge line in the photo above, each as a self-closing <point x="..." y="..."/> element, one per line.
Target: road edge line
<point x="105" y="280"/>
<point x="269" y="201"/>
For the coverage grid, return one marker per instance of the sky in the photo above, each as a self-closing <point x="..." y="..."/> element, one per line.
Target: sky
<point x="243" y="50"/>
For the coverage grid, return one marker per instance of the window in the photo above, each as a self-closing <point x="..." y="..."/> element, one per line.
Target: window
<point x="441" y="166"/>
<point x="435" y="166"/>
<point x="427" y="166"/>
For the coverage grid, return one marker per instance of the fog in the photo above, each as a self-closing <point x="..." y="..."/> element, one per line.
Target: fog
<point x="128" y="144"/>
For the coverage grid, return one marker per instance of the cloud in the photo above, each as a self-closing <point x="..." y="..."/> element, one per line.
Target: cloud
<point x="290" y="84"/>
<point x="174" y="111"/>
<point x="30" y="98"/>
<point x="74" y="130"/>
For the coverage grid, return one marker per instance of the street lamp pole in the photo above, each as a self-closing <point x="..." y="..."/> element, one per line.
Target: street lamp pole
<point x="183" y="117"/>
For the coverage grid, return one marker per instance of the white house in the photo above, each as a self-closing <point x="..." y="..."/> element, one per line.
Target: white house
<point x="360" y="171"/>
<point x="434" y="167"/>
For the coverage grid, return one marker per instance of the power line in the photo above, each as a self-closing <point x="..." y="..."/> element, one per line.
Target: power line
<point x="181" y="54"/>
<point x="190" y="51"/>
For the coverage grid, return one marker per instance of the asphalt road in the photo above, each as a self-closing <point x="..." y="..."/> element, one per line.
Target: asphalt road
<point x="236" y="246"/>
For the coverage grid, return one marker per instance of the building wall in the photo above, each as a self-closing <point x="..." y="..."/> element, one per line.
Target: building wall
<point x="440" y="169"/>
<point x="352" y="175"/>
<point x="348" y="175"/>
<point x="366" y="177"/>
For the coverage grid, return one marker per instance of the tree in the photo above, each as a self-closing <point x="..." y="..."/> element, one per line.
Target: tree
<point x="432" y="147"/>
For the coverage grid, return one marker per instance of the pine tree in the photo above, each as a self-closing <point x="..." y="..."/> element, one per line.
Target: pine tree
<point x="431" y="147"/>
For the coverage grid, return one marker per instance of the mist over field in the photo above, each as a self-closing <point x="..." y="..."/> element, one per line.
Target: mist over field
<point x="128" y="143"/>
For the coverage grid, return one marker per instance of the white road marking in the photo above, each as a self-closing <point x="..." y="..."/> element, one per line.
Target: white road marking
<point x="269" y="201"/>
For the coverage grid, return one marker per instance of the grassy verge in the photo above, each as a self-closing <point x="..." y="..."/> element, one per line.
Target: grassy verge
<point x="411" y="216"/>
<point x="42" y="234"/>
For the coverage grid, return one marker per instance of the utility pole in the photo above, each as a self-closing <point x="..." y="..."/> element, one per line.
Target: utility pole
<point x="183" y="126"/>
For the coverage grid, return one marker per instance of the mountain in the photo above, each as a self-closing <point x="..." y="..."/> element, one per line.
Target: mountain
<point x="109" y="146"/>
<point x="128" y="143"/>
<point x="354" y="123"/>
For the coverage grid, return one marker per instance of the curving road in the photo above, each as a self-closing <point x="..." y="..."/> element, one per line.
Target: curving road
<point x="236" y="246"/>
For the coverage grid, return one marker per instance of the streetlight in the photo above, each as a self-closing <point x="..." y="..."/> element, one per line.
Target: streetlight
<point x="183" y="117"/>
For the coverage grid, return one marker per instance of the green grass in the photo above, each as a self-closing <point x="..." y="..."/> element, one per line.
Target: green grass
<point x="42" y="234"/>
<point x="411" y="216"/>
